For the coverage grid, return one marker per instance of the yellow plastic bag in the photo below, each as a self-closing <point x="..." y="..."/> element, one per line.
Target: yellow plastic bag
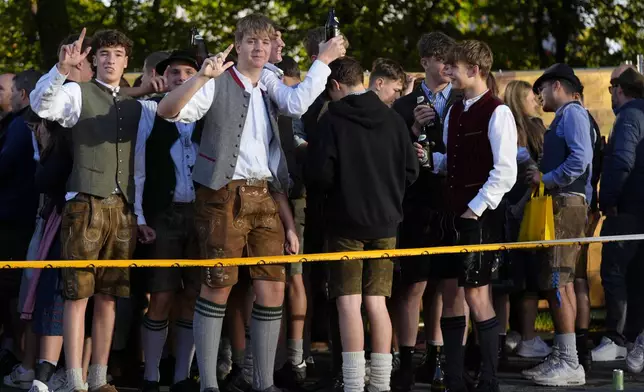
<point x="538" y="222"/>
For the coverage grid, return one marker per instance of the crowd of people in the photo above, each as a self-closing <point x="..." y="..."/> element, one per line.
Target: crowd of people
<point x="241" y="156"/>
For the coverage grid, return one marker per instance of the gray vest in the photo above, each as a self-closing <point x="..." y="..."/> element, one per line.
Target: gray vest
<point x="223" y="127"/>
<point x="103" y="143"/>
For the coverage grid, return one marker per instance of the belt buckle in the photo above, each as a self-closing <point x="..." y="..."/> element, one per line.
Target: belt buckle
<point x="253" y="182"/>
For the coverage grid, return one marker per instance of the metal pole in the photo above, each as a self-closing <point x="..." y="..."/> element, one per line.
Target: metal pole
<point x="640" y="63"/>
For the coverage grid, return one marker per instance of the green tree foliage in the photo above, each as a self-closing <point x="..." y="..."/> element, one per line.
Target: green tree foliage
<point x="524" y="34"/>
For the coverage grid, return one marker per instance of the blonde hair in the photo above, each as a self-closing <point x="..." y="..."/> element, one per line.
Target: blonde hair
<point x="254" y="25"/>
<point x="530" y="129"/>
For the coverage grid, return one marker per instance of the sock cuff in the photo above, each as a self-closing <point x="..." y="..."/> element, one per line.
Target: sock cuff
<point x="356" y="356"/>
<point x="265" y="313"/>
<point x="182" y="323"/>
<point x="209" y="309"/>
<point x="407" y="349"/>
<point x="492" y="323"/>
<point x="154" y="325"/>
<point x="379" y="359"/>
<point x="453" y="322"/>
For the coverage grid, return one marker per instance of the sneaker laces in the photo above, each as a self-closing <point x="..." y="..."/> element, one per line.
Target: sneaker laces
<point x="639" y="347"/>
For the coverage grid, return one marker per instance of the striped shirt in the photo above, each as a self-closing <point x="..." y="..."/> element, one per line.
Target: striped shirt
<point x="440" y="100"/>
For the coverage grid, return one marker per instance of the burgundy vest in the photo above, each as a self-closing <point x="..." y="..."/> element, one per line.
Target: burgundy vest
<point x="469" y="154"/>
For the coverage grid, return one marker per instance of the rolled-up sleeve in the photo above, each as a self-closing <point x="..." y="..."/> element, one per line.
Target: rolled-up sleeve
<point x="502" y="133"/>
<point x="575" y="127"/>
<point x="198" y="105"/>
<point x="295" y="101"/>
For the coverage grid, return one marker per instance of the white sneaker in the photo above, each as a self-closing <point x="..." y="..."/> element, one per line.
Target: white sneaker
<point x="512" y="341"/>
<point x="608" y="351"/>
<point x="635" y="358"/>
<point x="530" y="374"/>
<point x="38" y="386"/>
<point x="534" y="348"/>
<point x="561" y="374"/>
<point x="58" y="380"/>
<point x="19" y="378"/>
<point x="67" y="387"/>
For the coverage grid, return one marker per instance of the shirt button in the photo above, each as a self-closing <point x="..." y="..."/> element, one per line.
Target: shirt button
<point x="239" y="136"/>
<point x="228" y="177"/>
<point x="242" y="115"/>
<point x="187" y="156"/>
<point x="235" y="155"/>
<point x="232" y="165"/>
<point x="120" y="172"/>
<point x="240" y="125"/>
<point x="236" y="145"/>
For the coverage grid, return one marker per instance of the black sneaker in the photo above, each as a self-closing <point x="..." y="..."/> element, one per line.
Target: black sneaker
<point x="235" y="382"/>
<point x="329" y="384"/>
<point x="291" y="376"/>
<point x="150" y="386"/>
<point x="402" y="380"/>
<point x="487" y="386"/>
<point x="425" y="371"/>
<point x="187" y="385"/>
<point x="7" y="362"/>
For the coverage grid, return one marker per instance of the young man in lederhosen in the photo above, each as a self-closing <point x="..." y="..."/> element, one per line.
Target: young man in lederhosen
<point x="164" y="205"/>
<point x="480" y="136"/>
<point x="241" y="201"/>
<point x="98" y="222"/>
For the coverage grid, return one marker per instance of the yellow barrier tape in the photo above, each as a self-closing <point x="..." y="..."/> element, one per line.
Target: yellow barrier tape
<point x="359" y="255"/>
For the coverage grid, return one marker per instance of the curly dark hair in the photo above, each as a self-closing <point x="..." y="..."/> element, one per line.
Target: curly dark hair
<point x="111" y="39"/>
<point x="435" y="44"/>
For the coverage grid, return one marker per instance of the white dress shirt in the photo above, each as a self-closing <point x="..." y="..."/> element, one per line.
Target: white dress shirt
<point x="183" y="153"/>
<point x="291" y="101"/>
<point x="502" y="133"/>
<point x="55" y="101"/>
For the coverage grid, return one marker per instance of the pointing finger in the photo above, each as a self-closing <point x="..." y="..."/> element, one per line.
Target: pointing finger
<point x="81" y="37"/>
<point x="227" y="51"/>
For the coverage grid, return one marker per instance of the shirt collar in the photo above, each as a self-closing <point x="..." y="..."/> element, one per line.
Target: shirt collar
<point x="114" y="90"/>
<point x="471" y="101"/>
<point x="444" y="92"/>
<point x="275" y="69"/>
<point x="247" y="82"/>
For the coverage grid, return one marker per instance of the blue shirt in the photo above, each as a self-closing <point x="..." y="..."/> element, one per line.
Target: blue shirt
<point x="440" y="99"/>
<point x="574" y="128"/>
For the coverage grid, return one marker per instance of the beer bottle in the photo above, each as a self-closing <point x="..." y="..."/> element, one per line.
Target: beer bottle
<point x="423" y="140"/>
<point x="332" y="26"/>
<point x="198" y="44"/>
<point x="438" y="382"/>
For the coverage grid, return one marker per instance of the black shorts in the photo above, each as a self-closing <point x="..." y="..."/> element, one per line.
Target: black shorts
<point x="423" y="227"/>
<point x="475" y="269"/>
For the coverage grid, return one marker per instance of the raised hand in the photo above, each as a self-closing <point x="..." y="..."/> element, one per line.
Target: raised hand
<point x="71" y="55"/>
<point x="332" y="49"/>
<point x="157" y="85"/>
<point x="214" y="66"/>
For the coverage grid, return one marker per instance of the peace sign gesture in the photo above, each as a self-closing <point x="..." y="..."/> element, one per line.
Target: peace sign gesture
<point x="214" y="66"/>
<point x="71" y="55"/>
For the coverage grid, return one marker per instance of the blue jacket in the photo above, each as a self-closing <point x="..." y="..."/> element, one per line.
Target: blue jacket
<point x="18" y="195"/>
<point x="622" y="180"/>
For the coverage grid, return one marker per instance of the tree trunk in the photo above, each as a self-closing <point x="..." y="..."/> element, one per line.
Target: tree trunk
<point x="53" y="24"/>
